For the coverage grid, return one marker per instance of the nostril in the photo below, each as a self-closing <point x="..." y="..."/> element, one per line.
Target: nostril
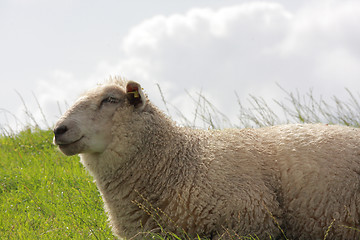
<point x="60" y="130"/>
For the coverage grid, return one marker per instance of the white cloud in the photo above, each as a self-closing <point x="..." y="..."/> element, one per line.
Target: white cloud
<point x="220" y="51"/>
<point x="248" y="48"/>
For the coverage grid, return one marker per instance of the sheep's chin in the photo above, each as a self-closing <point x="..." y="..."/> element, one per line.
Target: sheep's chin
<point x="73" y="148"/>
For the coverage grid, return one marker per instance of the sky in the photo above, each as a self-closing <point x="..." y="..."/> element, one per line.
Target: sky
<point x="52" y="51"/>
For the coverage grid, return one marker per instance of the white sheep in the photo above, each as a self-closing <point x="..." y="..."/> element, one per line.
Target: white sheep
<point x="303" y="180"/>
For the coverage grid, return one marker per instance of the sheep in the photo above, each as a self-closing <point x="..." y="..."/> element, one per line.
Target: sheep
<point x="297" y="181"/>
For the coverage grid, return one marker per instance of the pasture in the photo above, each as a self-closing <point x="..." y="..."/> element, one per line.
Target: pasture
<point x="45" y="195"/>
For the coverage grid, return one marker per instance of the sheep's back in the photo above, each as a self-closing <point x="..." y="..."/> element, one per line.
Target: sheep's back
<point x="319" y="169"/>
<point x="306" y="175"/>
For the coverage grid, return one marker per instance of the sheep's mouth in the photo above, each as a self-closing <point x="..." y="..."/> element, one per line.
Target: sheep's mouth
<point x="65" y="143"/>
<point x="70" y="148"/>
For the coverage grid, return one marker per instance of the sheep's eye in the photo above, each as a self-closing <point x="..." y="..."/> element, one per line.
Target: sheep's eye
<point x="110" y="100"/>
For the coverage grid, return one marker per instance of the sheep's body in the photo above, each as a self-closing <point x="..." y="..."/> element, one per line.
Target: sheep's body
<point x="304" y="179"/>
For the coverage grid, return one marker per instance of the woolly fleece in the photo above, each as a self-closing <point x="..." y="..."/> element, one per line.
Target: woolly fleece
<point x="303" y="179"/>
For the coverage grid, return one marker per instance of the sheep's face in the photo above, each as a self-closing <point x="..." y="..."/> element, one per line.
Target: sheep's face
<point x="86" y="126"/>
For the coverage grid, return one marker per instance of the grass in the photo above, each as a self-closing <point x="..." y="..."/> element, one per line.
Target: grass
<point x="45" y="195"/>
<point x="257" y="112"/>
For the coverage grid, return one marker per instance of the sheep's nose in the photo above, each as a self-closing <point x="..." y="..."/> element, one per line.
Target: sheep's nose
<point x="60" y="130"/>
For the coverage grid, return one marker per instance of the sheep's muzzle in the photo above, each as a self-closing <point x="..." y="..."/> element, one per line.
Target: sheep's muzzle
<point x="69" y="141"/>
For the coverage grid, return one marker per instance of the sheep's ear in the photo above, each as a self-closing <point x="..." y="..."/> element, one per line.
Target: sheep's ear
<point x="135" y="95"/>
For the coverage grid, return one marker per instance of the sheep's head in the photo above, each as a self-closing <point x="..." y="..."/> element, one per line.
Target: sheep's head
<point x="86" y="126"/>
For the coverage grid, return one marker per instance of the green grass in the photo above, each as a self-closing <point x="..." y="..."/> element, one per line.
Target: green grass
<point x="45" y="195"/>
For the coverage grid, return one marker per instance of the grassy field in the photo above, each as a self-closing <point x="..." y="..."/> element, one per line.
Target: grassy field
<point x="45" y="195"/>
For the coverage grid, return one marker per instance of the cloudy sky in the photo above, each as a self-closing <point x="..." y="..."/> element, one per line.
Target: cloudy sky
<point x="54" y="50"/>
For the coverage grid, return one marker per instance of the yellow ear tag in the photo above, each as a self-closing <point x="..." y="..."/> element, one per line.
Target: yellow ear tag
<point x="136" y="94"/>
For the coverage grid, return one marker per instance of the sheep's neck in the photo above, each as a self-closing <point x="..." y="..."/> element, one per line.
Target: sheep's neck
<point x="151" y="176"/>
<point x="158" y="152"/>
<point x="163" y="155"/>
